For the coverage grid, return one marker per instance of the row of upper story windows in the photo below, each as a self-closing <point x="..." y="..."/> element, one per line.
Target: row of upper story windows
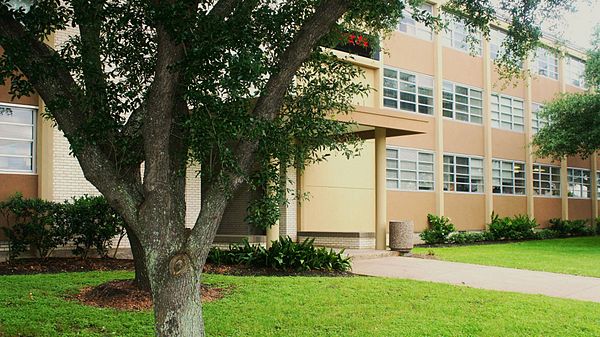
<point x="413" y="170"/>
<point x="413" y="92"/>
<point x="457" y="36"/>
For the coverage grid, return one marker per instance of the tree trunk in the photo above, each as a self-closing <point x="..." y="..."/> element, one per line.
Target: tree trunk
<point x="142" y="280"/>
<point x="176" y="296"/>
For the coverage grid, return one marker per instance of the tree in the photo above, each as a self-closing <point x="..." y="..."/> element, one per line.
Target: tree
<point x="244" y="89"/>
<point x="574" y="127"/>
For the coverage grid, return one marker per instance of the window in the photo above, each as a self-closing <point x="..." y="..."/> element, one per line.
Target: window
<point x="575" y="72"/>
<point x="17" y="139"/>
<point x="409" y="170"/>
<point x="507" y="113"/>
<point x="462" y="103"/>
<point x="579" y="183"/>
<point x="546" y="180"/>
<point x="547" y="63"/>
<point x="508" y="177"/>
<point x="463" y="174"/>
<point x="538" y="122"/>
<point x="497" y="37"/>
<point x="410" y="26"/>
<point x="457" y="36"/>
<point x="407" y="91"/>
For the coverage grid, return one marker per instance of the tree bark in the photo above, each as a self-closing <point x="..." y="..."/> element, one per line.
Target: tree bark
<point x="176" y="295"/>
<point x="142" y="280"/>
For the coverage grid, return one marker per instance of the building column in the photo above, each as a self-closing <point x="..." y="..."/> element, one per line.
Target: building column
<point x="528" y="148"/>
<point x="439" y="120"/>
<point x="380" y="189"/>
<point x="564" y="189"/>
<point x="272" y="234"/>
<point x="594" y="169"/>
<point x="487" y="132"/>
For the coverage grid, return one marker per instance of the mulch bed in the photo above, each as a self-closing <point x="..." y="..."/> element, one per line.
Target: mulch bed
<point x="62" y="265"/>
<point x="124" y="295"/>
<point x="73" y="264"/>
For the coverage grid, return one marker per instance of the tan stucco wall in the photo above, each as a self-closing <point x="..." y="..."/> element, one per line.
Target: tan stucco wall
<point x="544" y="89"/>
<point x="546" y="209"/>
<point x="463" y="138"/>
<point x="508" y="144"/>
<point x="454" y="65"/>
<point x="510" y="205"/>
<point x="466" y="210"/>
<point x="409" y="53"/>
<point x="580" y="209"/>
<point x="341" y="194"/>
<point x="411" y="206"/>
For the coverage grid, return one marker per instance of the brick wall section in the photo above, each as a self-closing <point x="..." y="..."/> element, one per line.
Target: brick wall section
<point x="288" y="225"/>
<point x="342" y="242"/>
<point x="192" y="196"/>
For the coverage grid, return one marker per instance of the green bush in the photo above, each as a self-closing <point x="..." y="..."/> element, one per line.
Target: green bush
<point x="518" y="228"/>
<point x="439" y="229"/>
<point x="468" y="237"/>
<point x="545" y="234"/>
<point x="284" y="254"/>
<point x="570" y="227"/>
<point x="38" y="224"/>
<point x="93" y="224"/>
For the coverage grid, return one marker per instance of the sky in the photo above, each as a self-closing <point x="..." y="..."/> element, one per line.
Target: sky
<point x="577" y="27"/>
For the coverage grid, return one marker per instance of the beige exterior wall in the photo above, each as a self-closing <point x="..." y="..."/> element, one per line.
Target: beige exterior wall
<point x="411" y="206"/>
<point x="466" y="210"/>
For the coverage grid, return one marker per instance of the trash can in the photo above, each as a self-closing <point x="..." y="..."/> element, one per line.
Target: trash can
<point x="401" y="235"/>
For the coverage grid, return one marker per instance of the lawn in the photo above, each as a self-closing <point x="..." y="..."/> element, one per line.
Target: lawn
<point x="303" y="306"/>
<point x="578" y="256"/>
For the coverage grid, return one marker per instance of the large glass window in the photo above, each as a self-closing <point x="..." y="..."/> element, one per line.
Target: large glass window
<point x="507" y="112"/>
<point x="579" y="183"/>
<point x="457" y="36"/>
<point x="546" y="62"/>
<point x="407" y="91"/>
<point x="508" y="177"/>
<point x="17" y="139"/>
<point x="575" y="72"/>
<point x="411" y="26"/>
<point x="546" y="180"/>
<point x="537" y="121"/>
<point x="463" y="174"/>
<point x="462" y="103"/>
<point x="497" y="37"/>
<point x="409" y="170"/>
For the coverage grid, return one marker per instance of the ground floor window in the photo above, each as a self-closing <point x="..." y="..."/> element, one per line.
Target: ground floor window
<point x="546" y="180"/>
<point x="579" y="183"/>
<point x="508" y="177"/>
<point x="409" y="170"/>
<point x="463" y="174"/>
<point x="17" y="139"/>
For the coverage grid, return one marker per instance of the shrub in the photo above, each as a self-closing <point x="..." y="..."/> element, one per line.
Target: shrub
<point x="518" y="228"/>
<point x="467" y="237"/>
<point x="545" y="234"/>
<point x="439" y="229"/>
<point x="38" y="224"/>
<point x="284" y="254"/>
<point x="93" y="224"/>
<point x="570" y="227"/>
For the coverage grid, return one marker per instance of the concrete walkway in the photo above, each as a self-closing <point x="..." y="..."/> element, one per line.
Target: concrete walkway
<point x="483" y="277"/>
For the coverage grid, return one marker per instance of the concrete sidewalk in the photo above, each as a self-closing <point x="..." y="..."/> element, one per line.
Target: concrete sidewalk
<point x="483" y="277"/>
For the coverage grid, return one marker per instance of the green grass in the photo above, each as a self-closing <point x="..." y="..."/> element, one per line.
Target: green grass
<point x="302" y="306"/>
<point x="578" y="256"/>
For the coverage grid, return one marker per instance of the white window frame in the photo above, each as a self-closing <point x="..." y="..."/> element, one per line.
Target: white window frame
<point x="546" y="63"/>
<point x="537" y="122"/>
<point x="396" y="172"/>
<point x="576" y="183"/>
<point x="546" y="180"/>
<point x="497" y="37"/>
<point x="508" y="116"/>
<point x="410" y="26"/>
<point x="33" y="140"/>
<point x="456" y="35"/>
<point x="471" y="101"/>
<point x="406" y="83"/>
<point x="575" y="72"/>
<point x="504" y="171"/>
<point x="473" y="173"/>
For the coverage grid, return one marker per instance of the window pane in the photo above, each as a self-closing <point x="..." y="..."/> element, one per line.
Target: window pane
<point x="15" y="147"/>
<point x="16" y="115"/>
<point x="16" y="164"/>
<point x="16" y="131"/>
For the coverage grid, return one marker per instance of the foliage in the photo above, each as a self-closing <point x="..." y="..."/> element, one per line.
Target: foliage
<point x="545" y="234"/>
<point x="517" y="228"/>
<point x="38" y="224"/>
<point x="566" y="228"/>
<point x="88" y="222"/>
<point x="439" y="229"/>
<point x="469" y="237"/>
<point x="577" y="256"/>
<point x="284" y="254"/>
<point x="92" y="224"/>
